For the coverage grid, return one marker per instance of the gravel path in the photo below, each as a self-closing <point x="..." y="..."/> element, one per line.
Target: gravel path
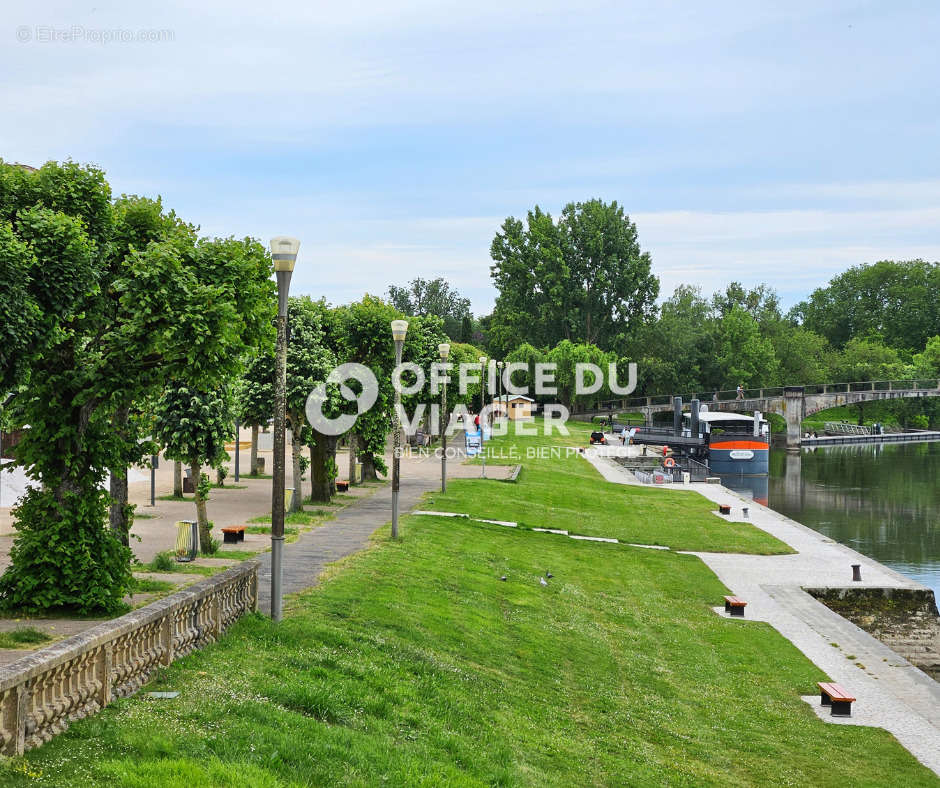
<point x="891" y="692"/>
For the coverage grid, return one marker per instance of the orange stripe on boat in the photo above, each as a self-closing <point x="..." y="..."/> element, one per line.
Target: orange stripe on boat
<point x="739" y="445"/>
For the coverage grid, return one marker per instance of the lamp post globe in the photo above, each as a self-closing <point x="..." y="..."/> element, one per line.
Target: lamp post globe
<point x="284" y="256"/>
<point x="399" y="331"/>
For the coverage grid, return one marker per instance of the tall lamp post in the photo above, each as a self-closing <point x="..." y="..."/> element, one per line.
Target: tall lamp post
<point x="482" y="392"/>
<point x="444" y="350"/>
<point x="499" y="387"/>
<point x="399" y="330"/>
<point x="284" y="253"/>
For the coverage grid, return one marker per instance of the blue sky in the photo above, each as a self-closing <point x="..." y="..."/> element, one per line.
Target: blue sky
<point x="777" y="142"/>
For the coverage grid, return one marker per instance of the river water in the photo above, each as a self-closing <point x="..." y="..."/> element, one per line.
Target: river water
<point x="880" y="499"/>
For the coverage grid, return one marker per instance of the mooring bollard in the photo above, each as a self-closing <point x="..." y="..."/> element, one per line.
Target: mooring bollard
<point x="856" y="572"/>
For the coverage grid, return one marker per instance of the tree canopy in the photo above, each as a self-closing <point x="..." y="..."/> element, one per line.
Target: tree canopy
<point x="583" y="278"/>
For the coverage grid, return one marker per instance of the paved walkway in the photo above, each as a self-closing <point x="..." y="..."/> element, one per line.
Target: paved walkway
<point x="891" y="692"/>
<point x="351" y="529"/>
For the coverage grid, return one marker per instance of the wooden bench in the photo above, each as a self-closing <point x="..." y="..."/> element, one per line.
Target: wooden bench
<point x="233" y="534"/>
<point x="723" y="508"/>
<point x="734" y="606"/>
<point x="837" y="697"/>
<point x="342" y="486"/>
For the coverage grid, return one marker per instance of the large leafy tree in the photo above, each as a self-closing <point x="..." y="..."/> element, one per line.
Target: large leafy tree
<point x="106" y="323"/>
<point x="744" y="356"/>
<point x="895" y="302"/>
<point x="426" y="297"/>
<point x="584" y="278"/>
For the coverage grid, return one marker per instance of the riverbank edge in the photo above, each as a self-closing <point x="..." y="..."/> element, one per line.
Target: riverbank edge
<point x="893" y="693"/>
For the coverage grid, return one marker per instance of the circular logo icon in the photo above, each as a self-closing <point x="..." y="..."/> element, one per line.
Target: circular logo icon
<point x="364" y="400"/>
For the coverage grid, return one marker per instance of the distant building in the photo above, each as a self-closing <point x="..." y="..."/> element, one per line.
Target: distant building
<point x="517" y="405"/>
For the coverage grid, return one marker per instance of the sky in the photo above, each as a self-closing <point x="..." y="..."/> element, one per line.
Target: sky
<point x="751" y="141"/>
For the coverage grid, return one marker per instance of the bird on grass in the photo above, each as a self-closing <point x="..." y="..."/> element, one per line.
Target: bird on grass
<point x="549" y="574"/>
<point x="543" y="581"/>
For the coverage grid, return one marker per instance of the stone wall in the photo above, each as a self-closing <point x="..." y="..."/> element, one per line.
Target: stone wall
<point x="905" y="620"/>
<point x="43" y="692"/>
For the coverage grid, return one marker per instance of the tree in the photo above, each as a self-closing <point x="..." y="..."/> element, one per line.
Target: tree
<point x="109" y="328"/>
<point x="744" y="356"/>
<point x="567" y="355"/>
<point x="368" y="339"/>
<point x="584" y="279"/>
<point x="927" y="363"/>
<point x="309" y="361"/>
<point x="423" y="298"/>
<point x="255" y="400"/>
<point x="895" y="302"/>
<point x="194" y="426"/>
<point x="868" y="359"/>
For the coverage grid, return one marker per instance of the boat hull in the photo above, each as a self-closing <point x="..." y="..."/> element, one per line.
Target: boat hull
<point x="742" y="456"/>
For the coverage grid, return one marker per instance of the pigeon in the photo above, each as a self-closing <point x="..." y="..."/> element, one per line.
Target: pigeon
<point x="543" y="581"/>
<point x="503" y="578"/>
<point x="549" y="574"/>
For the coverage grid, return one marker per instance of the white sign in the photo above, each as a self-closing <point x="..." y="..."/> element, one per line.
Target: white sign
<point x="473" y="443"/>
<point x="741" y="454"/>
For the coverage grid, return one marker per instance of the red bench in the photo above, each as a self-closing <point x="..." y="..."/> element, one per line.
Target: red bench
<point x="734" y="606"/>
<point x="233" y="534"/>
<point x="836" y="696"/>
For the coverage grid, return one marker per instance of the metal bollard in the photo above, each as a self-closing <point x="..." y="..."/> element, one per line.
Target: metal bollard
<point x="856" y="572"/>
<point x="744" y="511"/>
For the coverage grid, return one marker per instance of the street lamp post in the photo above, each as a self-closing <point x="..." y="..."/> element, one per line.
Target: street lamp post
<point x="238" y="429"/>
<point x="499" y="387"/>
<point x="444" y="350"/>
<point x="284" y="253"/>
<point x="482" y="392"/>
<point x="399" y="330"/>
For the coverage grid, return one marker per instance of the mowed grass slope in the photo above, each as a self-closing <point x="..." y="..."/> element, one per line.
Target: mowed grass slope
<point x="563" y="490"/>
<point x="414" y="664"/>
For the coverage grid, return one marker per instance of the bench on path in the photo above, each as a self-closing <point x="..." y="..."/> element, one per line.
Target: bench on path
<point x="233" y="534"/>
<point x="734" y="606"/>
<point x="836" y="696"/>
<point x="342" y="485"/>
<point x="724" y="508"/>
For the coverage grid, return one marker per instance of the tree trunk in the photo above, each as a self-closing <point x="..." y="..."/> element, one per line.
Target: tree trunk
<point x="117" y="516"/>
<point x="201" y="515"/>
<point x="352" y="459"/>
<point x="254" y="449"/>
<point x="332" y="469"/>
<point x="177" y="479"/>
<point x="319" y="479"/>
<point x="368" y="467"/>
<point x="296" y="448"/>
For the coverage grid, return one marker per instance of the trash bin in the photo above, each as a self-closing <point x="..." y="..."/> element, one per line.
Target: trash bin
<point x="288" y="497"/>
<point x="686" y="477"/>
<point x="187" y="540"/>
<point x="358" y="473"/>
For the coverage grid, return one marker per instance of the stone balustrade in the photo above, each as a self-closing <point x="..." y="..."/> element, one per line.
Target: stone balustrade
<point x="43" y="692"/>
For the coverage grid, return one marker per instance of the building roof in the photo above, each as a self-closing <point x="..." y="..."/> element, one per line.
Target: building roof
<point x="512" y="398"/>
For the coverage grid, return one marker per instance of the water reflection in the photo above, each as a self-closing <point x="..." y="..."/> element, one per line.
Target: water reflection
<point x="881" y="499"/>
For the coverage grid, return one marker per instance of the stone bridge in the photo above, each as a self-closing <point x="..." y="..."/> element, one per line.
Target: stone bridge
<point x="794" y="403"/>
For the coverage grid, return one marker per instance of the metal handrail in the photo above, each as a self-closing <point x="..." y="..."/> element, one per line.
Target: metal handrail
<point x="730" y="395"/>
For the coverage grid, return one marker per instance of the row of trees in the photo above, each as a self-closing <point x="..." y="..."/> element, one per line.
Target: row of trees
<point x="582" y="284"/>
<point x="123" y="333"/>
<point x="104" y="304"/>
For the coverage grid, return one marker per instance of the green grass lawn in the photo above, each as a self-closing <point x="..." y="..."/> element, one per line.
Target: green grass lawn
<point x="562" y="490"/>
<point x="23" y="637"/>
<point x="414" y="664"/>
